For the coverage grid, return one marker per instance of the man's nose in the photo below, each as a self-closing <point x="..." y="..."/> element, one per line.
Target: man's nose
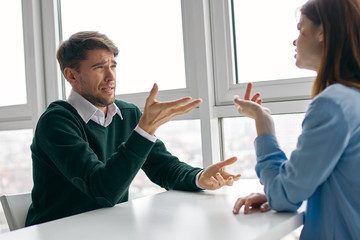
<point x="110" y="74"/>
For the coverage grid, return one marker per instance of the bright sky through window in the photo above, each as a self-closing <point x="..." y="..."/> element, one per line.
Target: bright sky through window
<point x="265" y="31"/>
<point x="147" y="33"/>
<point x="12" y="63"/>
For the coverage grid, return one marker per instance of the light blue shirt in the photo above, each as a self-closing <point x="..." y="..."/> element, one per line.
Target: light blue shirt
<point x="323" y="169"/>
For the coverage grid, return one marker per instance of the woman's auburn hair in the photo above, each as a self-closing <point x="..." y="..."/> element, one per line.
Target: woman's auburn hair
<point x="340" y="61"/>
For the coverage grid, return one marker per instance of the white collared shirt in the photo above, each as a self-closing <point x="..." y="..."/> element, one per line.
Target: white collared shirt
<point x="88" y="111"/>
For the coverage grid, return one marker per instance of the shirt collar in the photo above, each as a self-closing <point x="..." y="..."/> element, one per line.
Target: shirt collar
<point x="88" y="111"/>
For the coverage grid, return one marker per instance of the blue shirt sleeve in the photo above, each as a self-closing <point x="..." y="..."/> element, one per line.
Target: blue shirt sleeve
<point x="323" y="139"/>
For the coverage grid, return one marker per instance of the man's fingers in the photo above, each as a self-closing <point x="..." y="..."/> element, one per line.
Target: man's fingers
<point x="227" y="162"/>
<point x="183" y="102"/>
<point x="178" y="102"/>
<point x="186" y="108"/>
<point x="230" y="181"/>
<point x="214" y="183"/>
<point x="236" y="177"/>
<point x="220" y="179"/>
<point x="153" y="93"/>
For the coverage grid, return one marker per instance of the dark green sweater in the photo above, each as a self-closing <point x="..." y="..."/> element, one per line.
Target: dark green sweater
<point x="78" y="167"/>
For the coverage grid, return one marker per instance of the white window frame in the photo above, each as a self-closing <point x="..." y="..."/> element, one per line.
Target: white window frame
<point x="208" y="66"/>
<point x="199" y="77"/>
<point x="282" y="96"/>
<point x="25" y="116"/>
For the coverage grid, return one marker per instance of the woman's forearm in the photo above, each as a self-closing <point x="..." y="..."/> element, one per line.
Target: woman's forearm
<point x="264" y="124"/>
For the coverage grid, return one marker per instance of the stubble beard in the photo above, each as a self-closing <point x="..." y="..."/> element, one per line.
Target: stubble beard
<point x="100" y="102"/>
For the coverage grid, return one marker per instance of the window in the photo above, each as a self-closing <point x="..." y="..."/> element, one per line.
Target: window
<point x="15" y="165"/>
<point x="264" y="40"/>
<point x="239" y="134"/>
<point x="203" y="49"/>
<point x="147" y="33"/>
<point x="182" y="138"/>
<point x="12" y="63"/>
<point x="253" y="44"/>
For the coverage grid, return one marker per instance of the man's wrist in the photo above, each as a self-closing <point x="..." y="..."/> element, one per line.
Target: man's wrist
<point x="197" y="179"/>
<point x="145" y="134"/>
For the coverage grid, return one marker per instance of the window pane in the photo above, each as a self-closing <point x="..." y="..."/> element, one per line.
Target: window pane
<point x="182" y="138"/>
<point x="147" y="33"/>
<point x="239" y="135"/>
<point x="264" y="40"/>
<point x="15" y="165"/>
<point x="12" y="63"/>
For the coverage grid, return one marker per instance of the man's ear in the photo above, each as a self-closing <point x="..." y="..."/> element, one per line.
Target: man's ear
<point x="70" y="75"/>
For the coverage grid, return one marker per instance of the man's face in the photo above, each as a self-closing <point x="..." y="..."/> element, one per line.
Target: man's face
<point x="96" y="79"/>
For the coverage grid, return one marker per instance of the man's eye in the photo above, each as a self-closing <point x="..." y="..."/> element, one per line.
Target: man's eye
<point x="113" y="66"/>
<point x="99" y="67"/>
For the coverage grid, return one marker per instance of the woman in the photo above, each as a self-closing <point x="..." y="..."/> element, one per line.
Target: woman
<point x="323" y="169"/>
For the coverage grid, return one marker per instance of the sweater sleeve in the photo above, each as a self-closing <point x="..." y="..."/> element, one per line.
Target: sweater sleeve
<point x="324" y="137"/>
<point x="167" y="171"/>
<point x="60" y="142"/>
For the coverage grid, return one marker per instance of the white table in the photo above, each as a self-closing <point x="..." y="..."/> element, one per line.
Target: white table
<point x="170" y="215"/>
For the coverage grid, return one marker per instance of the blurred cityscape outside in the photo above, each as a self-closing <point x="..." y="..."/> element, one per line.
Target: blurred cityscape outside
<point x="15" y="166"/>
<point x="239" y="134"/>
<point x="182" y="139"/>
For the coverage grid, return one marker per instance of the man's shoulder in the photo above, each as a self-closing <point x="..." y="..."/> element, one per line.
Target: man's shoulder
<point x="60" y="105"/>
<point x="59" y="109"/>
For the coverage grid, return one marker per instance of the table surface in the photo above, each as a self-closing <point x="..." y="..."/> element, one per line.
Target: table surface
<point x="170" y="215"/>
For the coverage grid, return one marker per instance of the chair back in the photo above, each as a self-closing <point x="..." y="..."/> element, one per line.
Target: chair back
<point x="16" y="207"/>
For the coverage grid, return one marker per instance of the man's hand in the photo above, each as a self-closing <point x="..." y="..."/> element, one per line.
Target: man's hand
<point x="252" y="202"/>
<point x="157" y="113"/>
<point x="215" y="177"/>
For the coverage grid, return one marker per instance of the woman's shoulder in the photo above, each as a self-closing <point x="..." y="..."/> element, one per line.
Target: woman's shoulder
<point x="338" y="99"/>
<point x="339" y="93"/>
<point x="340" y="89"/>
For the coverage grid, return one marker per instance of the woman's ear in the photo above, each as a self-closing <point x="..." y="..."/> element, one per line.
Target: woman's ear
<point x="320" y="34"/>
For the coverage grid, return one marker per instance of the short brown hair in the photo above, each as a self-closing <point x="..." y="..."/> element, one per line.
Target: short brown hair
<point x="340" y="61"/>
<point x="74" y="50"/>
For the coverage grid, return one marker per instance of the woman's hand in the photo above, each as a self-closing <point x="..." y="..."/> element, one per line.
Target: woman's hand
<point x="252" y="108"/>
<point x="251" y="202"/>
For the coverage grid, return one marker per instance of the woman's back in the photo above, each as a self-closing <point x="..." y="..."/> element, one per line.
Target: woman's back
<point x="333" y="211"/>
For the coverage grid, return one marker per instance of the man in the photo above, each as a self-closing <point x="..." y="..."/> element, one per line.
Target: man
<point x="86" y="151"/>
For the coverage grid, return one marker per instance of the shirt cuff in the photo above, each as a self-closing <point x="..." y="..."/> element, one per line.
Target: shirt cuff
<point x="265" y="144"/>
<point x="145" y="134"/>
<point x="197" y="179"/>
